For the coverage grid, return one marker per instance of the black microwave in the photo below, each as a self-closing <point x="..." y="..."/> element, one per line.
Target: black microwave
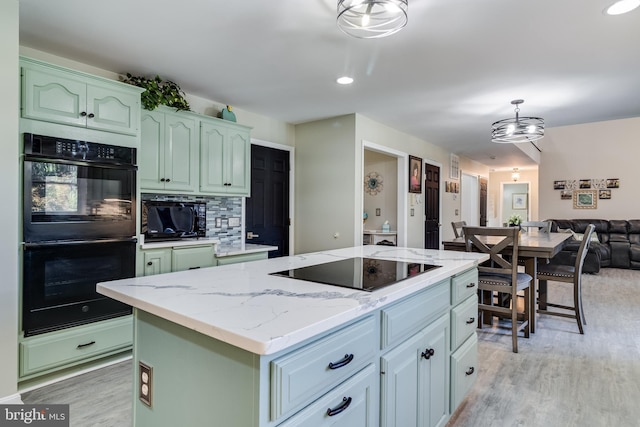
<point x="173" y="220"/>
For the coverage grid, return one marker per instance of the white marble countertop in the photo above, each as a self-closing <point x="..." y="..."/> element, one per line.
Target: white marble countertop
<point x="222" y="249"/>
<point x="242" y="305"/>
<point x="177" y="243"/>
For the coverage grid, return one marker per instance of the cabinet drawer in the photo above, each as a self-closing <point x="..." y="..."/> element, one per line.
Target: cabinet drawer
<point x="72" y="345"/>
<point x="464" y="319"/>
<point x="464" y="370"/>
<point x="235" y="259"/>
<point x="357" y="397"/>
<point x="300" y="376"/>
<point x="463" y="286"/>
<point x="407" y="317"/>
<point x="191" y="258"/>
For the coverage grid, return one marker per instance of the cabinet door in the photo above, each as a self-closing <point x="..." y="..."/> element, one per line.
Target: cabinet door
<point x="152" y="153"/>
<point x="157" y="261"/>
<point x="212" y="174"/>
<point x="238" y="162"/>
<point x="51" y="96"/>
<point x="414" y="386"/>
<point x="192" y="258"/>
<point x="112" y="110"/>
<point x="180" y="153"/>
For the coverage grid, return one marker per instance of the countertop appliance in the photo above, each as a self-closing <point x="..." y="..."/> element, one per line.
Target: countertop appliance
<point x="366" y="274"/>
<point x="79" y="211"/>
<point x="173" y="220"/>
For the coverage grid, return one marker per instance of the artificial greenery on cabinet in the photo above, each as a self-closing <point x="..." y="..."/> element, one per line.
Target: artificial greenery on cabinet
<point x="159" y="92"/>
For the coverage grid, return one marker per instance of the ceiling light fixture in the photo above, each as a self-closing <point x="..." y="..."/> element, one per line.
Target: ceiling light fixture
<point x="344" y="80"/>
<point x="370" y="19"/>
<point x="515" y="176"/>
<point x="622" y="6"/>
<point x="517" y="129"/>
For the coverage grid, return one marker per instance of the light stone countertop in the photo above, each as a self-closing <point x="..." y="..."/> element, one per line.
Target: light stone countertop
<point x="242" y="305"/>
<point x="222" y="249"/>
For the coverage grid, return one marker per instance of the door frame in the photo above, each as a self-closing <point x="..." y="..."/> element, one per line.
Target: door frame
<point x="440" y="186"/>
<point x="291" y="150"/>
<point x="502" y="184"/>
<point x="403" y="189"/>
<point x="465" y="194"/>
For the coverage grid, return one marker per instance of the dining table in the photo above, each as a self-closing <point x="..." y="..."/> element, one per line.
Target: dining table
<point x="533" y="245"/>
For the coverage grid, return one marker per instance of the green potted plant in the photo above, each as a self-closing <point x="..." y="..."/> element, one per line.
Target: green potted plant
<point x="514" y="220"/>
<point x="159" y="92"/>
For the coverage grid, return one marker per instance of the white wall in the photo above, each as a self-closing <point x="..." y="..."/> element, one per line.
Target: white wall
<point x="9" y="194"/>
<point x="387" y="199"/>
<point x="600" y="150"/>
<point x="327" y="202"/>
<point x="496" y="179"/>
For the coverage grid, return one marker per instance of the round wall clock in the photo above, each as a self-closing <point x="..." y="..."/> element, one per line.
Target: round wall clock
<point x="373" y="183"/>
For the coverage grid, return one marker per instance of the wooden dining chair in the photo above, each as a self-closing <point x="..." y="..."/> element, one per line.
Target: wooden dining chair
<point x="565" y="274"/>
<point x="457" y="227"/>
<point x="540" y="226"/>
<point x="500" y="276"/>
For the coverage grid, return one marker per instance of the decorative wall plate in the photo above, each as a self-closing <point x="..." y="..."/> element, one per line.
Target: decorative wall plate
<point x="373" y="183"/>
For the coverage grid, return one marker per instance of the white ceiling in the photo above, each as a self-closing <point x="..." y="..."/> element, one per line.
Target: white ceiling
<point x="444" y="78"/>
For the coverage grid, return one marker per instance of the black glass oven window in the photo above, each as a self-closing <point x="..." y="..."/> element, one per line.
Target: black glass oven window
<point x="366" y="274"/>
<point x="66" y="278"/>
<point x="63" y="192"/>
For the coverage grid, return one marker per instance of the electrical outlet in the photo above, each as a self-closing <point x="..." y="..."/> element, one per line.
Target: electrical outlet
<point x="145" y="377"/>
<point x="412" y="212"/>
<point x="377" y="211"/>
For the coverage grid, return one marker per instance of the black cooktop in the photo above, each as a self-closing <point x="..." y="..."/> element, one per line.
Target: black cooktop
<point x="367" y="274"/>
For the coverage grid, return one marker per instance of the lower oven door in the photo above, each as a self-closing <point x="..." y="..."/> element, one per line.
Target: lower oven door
<point x="59" y="282"/>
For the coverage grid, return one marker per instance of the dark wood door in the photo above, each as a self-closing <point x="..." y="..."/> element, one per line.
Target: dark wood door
<point x="432" y="207"/>
<point x="267" y="216"/>
<point x="483" y="202"/>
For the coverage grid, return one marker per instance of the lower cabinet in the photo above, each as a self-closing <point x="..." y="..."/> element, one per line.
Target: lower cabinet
<point x="192" y="258"/>
<point x="235" y="259"/>
<point x="45" y="353"/>
<point x="156" y="261"/>
<point x="414" y="379"/>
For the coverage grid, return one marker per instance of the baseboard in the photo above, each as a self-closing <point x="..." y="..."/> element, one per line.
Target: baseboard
<point x="13" y="399"/>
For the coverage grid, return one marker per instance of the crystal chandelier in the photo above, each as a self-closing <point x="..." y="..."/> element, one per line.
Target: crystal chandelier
<point x="517" y="129"/>
<point x="370" y="19"/>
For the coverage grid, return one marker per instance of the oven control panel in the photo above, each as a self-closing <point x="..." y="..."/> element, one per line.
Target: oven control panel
<point x="69" y="149"/>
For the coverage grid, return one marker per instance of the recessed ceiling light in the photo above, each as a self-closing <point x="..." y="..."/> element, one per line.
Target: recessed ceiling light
<point x="344" y="80"/>
<point x="622" y="6"/>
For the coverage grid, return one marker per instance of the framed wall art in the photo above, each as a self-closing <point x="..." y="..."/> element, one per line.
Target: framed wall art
<point x="454" y="167"/>
<point x="604" y="194"/>
<point x="585" y="199"/>
<point x="519" y="201"/>
<point x="415" y="174"/>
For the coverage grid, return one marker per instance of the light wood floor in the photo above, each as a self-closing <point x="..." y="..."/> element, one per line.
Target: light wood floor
<point x="559" y="377"/>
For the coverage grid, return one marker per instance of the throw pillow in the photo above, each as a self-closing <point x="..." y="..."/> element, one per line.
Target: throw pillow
<point x="580" y="236"/>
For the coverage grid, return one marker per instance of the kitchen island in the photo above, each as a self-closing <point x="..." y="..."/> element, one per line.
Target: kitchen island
<point x="236" y="346"/>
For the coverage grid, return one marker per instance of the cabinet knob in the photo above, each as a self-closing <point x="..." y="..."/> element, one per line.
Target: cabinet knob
<point x="470" y="371"/>
<point x="150" y="263"/>
<point x="162" y="180"/>
<point x="427" y="353"/>
<point x="471" y="285"/>
<point x="91" y="115"/>
<point x="471" y="320"/>
<point x="168" y="179"/>
<point x="83" y="114"/>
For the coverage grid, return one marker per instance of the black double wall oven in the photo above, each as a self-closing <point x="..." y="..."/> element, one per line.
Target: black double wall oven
<point x="79" y="217"/>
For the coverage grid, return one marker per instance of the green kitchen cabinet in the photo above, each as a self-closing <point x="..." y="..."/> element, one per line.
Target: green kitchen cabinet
<point x="192" y="258"/>
<point x="55" y="94"/>
<point x="225" y="158"/>
<point x="169" y="149"/>
<point x="156" y="261"/>
<point x="415" y="378"/>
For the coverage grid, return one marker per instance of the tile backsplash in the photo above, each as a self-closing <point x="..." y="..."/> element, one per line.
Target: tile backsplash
<point x="224" y="214"/>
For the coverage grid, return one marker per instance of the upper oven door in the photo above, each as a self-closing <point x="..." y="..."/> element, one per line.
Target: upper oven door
<point x="67" y="200"/>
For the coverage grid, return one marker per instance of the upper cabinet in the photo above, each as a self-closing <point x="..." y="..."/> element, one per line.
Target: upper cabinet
<point x="168" y="157"/>
<point x="225" y="158"/>
<point x="54" y="94"/>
